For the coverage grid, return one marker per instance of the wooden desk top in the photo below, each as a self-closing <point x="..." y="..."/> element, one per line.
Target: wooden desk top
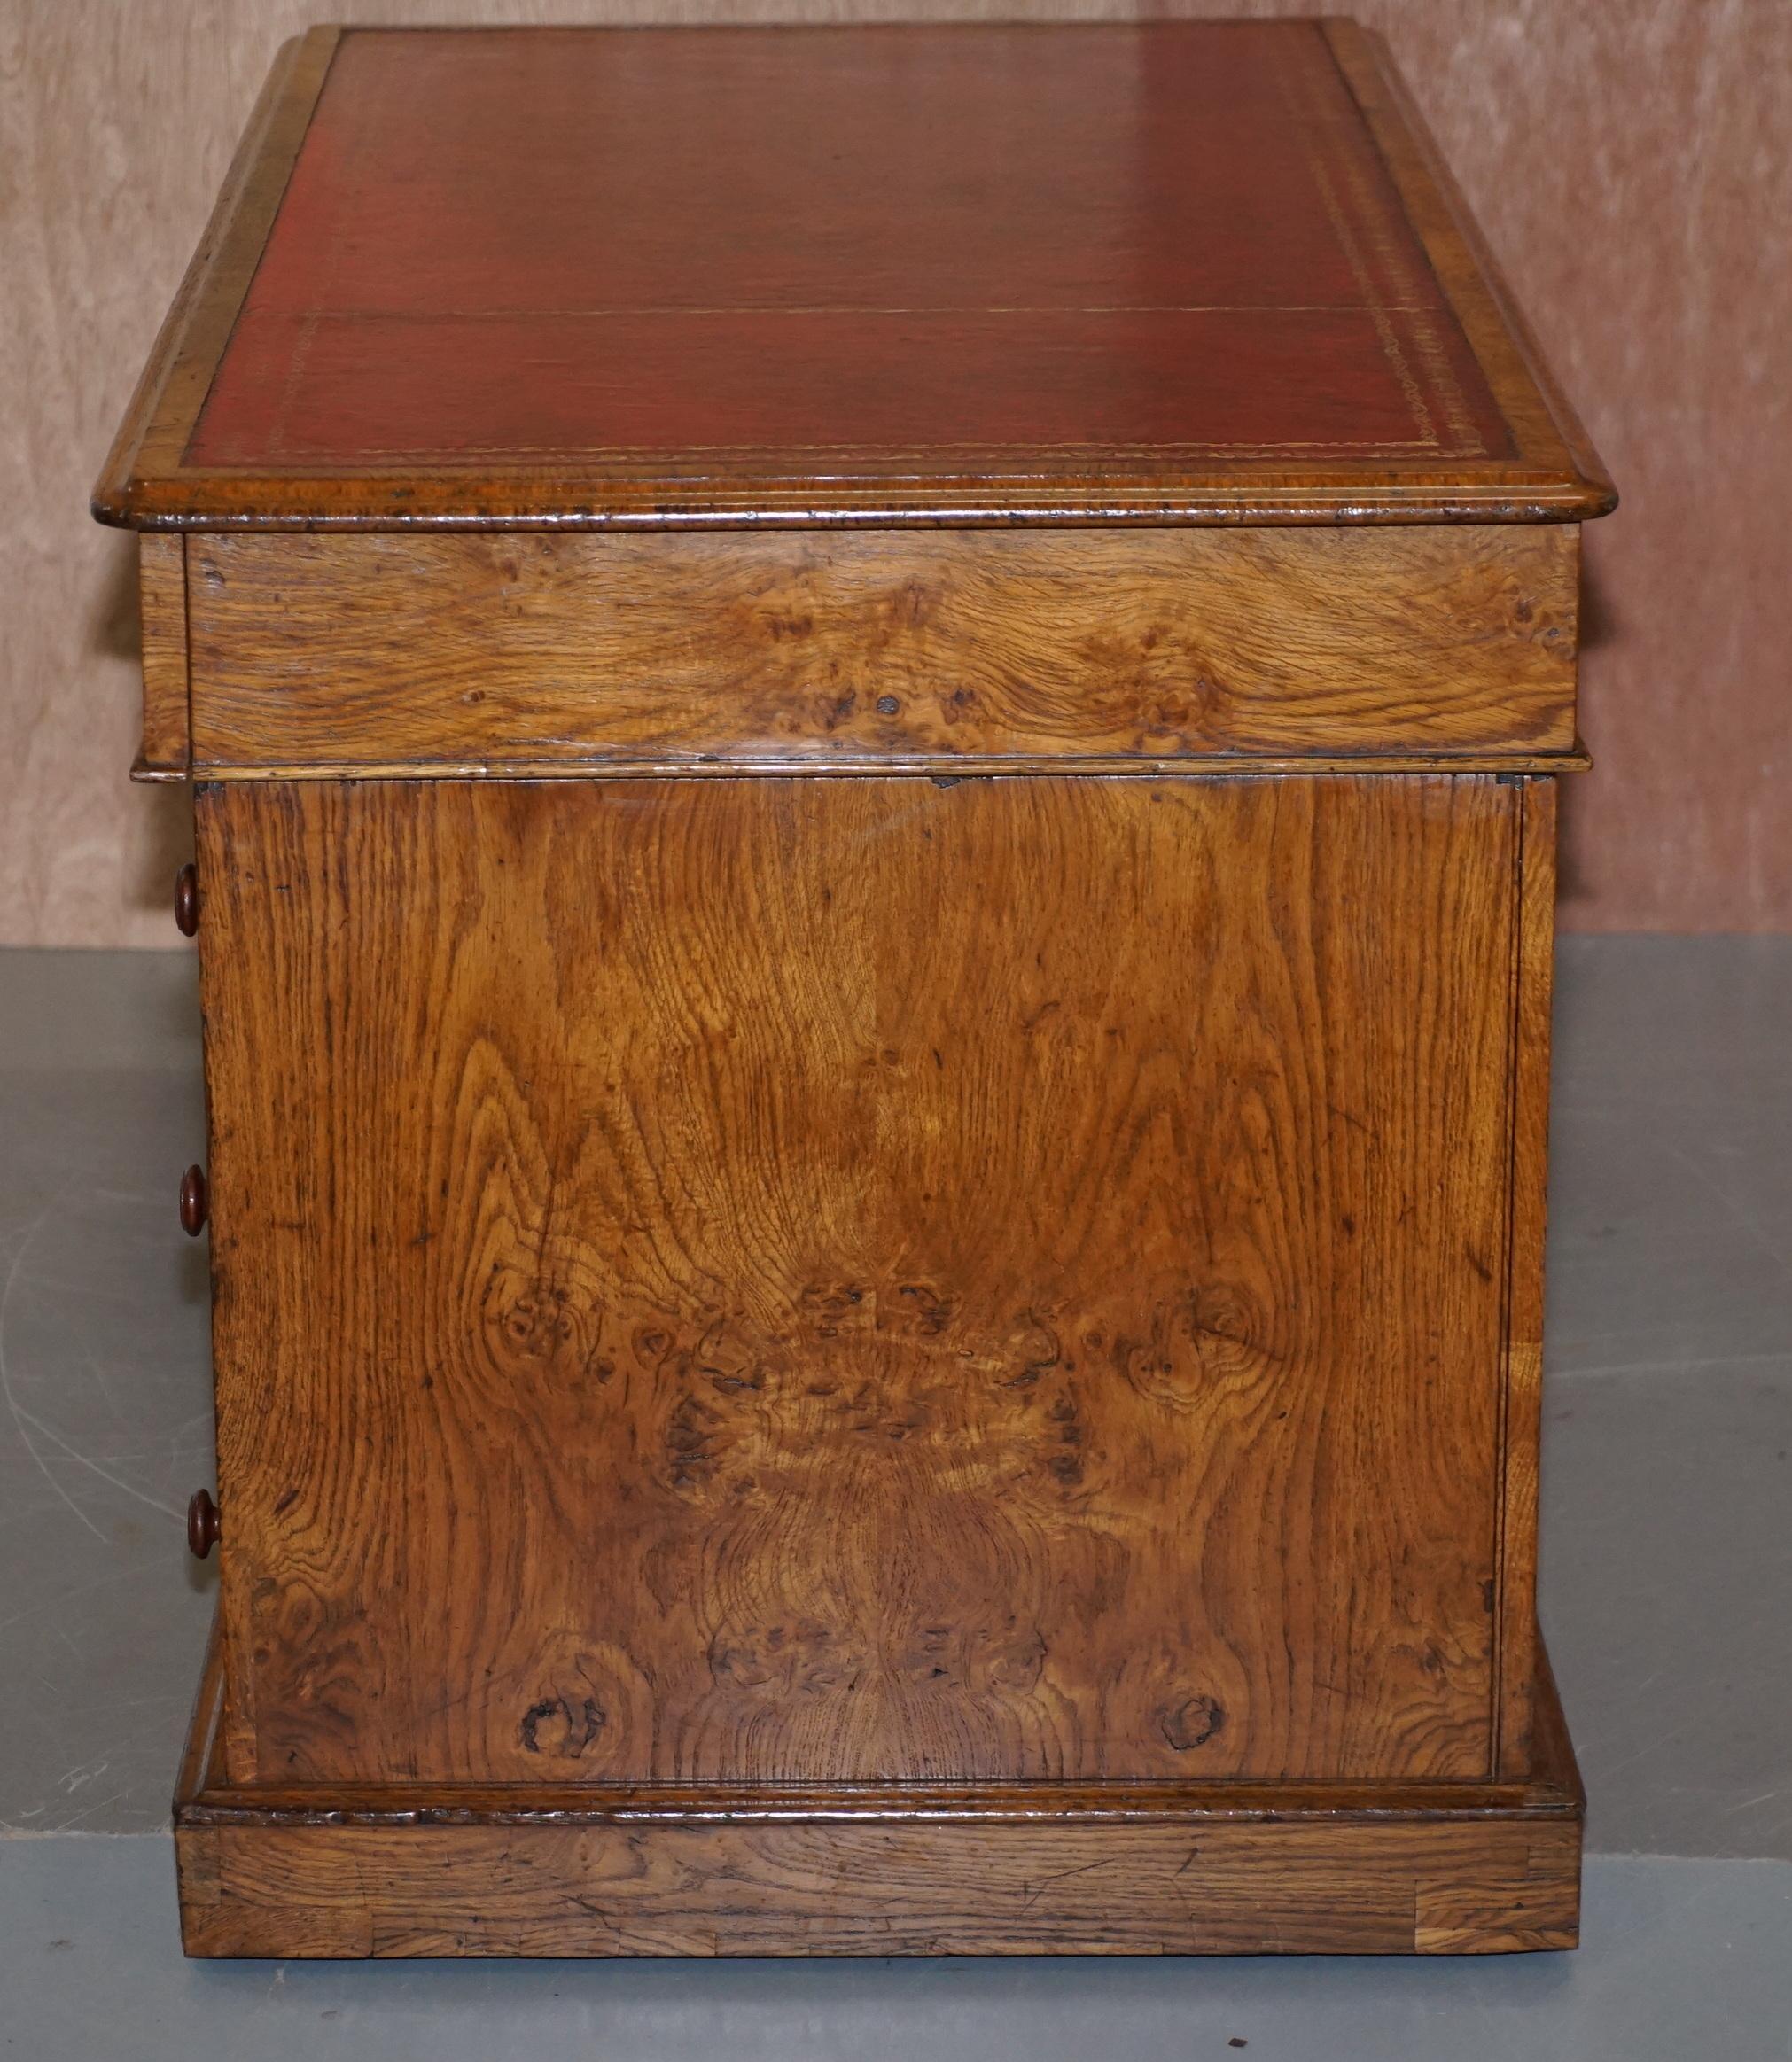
<point x="1200" y="272"/>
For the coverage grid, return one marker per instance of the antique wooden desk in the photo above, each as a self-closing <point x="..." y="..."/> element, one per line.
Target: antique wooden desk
<point x="874" y="716"/>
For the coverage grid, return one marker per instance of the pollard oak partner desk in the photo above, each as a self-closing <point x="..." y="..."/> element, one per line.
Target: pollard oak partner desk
<point x="874" y="716"/>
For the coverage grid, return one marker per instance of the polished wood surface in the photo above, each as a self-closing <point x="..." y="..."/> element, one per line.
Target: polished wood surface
<point x="1189" y="1888"/>
<point x="773" y="1252"/>
<point x="162" y="618"/>
<point x="858" y="651"/>
<point x="1213" y="1869"/>
<point x="1519" y="1662"/>
<point x="1163" y="272"/>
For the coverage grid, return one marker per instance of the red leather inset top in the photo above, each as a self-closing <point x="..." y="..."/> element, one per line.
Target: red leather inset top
<point x="821" y="245"/>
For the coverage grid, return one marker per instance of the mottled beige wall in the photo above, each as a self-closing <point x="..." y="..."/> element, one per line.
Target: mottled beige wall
<point x="1630" y="160"/>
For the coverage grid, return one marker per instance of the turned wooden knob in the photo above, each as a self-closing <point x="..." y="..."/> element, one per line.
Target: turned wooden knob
<point x="203" y="1528"/>
<point x="193" y="1202"/>
<point x="187" y="899"/>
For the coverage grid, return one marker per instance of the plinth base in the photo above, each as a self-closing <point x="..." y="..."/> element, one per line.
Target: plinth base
<point x="1218" y="1867"/>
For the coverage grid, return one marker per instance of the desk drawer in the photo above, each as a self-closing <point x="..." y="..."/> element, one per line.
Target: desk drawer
<point x="508" y="652"/>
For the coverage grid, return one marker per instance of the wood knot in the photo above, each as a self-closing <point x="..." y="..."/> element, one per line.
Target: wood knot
<point x="571" y="1728"/>
<point x="1192" y="1723"/>
<point x="539" y="1323"/>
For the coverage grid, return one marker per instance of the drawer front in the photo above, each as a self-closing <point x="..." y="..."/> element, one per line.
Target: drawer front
<point x="880" y="650"/>
<point x="790" y="1281"/>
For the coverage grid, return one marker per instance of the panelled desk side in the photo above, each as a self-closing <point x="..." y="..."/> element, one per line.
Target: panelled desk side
<point x="878" y="1130"/>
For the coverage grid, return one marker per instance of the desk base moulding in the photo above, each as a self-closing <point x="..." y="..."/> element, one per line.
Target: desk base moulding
<point x="1165" y="1869"/>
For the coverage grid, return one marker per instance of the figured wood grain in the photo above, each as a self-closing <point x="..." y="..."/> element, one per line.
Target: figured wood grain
<point x="390" y="650"/>
<point x="985" y="1282"/>
<point x="1548" y="1791"/>
<point x="1365" y="1887"/>
<point x="162" y="611"/>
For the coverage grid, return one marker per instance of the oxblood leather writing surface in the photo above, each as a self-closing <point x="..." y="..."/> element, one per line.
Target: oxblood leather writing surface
<point x="877" y="243"/>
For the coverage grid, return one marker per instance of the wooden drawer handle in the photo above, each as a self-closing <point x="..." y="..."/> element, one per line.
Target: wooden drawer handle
<point x="187" y="899"/>
<point x="195" y="1203"/>
<point x="204" y="1529"/>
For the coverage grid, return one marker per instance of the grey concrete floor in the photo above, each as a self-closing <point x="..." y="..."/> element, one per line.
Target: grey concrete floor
<point x="1667" y="1598"/>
